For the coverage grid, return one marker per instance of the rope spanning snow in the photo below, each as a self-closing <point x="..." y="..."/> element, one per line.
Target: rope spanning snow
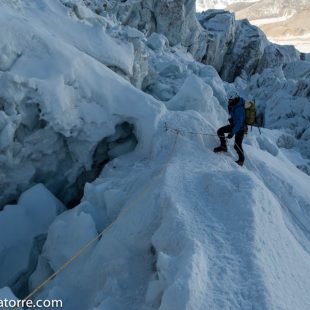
<point x="179" y="131"/>
<point x="186" y="229"/>
<point x="105" y="230"/>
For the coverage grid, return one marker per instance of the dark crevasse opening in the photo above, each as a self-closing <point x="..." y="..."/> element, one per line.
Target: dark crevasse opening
<point x="20" y="286"/>
<point x="123" y="141"/>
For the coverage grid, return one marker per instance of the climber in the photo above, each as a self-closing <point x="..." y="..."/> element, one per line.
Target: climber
<point x="237" y="126"/>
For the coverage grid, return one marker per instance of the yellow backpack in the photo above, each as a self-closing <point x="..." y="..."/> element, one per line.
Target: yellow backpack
<point x="250" y="112"/>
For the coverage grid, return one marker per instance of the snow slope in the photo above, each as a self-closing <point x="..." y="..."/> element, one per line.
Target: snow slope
<point x="185" y="228"/>
<point x="198" y="231"/>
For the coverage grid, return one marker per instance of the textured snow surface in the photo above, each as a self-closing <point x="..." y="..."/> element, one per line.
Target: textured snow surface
<point x="57" y="96"/>
<point x="84" y="93"/>
<point x="198" y="231"/>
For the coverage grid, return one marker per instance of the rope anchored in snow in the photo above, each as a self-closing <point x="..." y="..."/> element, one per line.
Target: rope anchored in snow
<point x="182" y="132"/>
<point x="103" y="232"/>
<point x="289" y="210"/>
<point x="122" y="213"/>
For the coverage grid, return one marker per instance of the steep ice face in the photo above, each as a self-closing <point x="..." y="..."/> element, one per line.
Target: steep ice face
<point x="59" y="100"/>
<point x="239" y="49"/>
<point x="282" y="95"/>
<point x="244" y="55"/>
<point x="221" y="29"/>
<point x="174" y="19"/>
<point x="233" y="47"/>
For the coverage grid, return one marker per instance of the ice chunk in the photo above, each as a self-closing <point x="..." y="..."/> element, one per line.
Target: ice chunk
<point x="19" y="226"/>
<point x="157" y="42"/>
<point x="68" y="233"/>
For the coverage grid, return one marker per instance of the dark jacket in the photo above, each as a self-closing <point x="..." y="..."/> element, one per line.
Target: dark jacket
<point x="237" y="115"/>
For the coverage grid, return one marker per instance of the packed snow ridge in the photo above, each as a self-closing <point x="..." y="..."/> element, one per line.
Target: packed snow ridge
<point x="110" y="108"/>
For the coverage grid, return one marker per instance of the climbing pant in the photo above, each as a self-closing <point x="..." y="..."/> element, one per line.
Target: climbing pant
<point x="238" y="139"/>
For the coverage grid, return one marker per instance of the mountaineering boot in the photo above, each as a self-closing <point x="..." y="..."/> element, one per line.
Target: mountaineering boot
<point x="239" y="162"/>
<point x="221" y="148"/>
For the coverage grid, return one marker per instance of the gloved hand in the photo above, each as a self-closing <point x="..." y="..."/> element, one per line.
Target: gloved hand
<point x="230" y="135"/>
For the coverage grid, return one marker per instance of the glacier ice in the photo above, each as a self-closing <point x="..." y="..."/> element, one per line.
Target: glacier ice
<point x="106" y="104"/>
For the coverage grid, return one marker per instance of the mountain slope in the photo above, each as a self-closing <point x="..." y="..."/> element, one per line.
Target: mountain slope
<point x="203" y="5"/>
<point x="297" y="25"/>
<point x="269" y="8"/>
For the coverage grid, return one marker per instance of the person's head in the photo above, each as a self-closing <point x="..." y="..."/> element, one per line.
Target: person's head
<point x="232" y="96"/>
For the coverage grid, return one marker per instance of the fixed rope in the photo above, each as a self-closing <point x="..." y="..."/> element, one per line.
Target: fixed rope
<point x="104" y="231"/>
<point x="123" y="212"/>
<point x="289" y="210"/>
<point x="167" y="128"/>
